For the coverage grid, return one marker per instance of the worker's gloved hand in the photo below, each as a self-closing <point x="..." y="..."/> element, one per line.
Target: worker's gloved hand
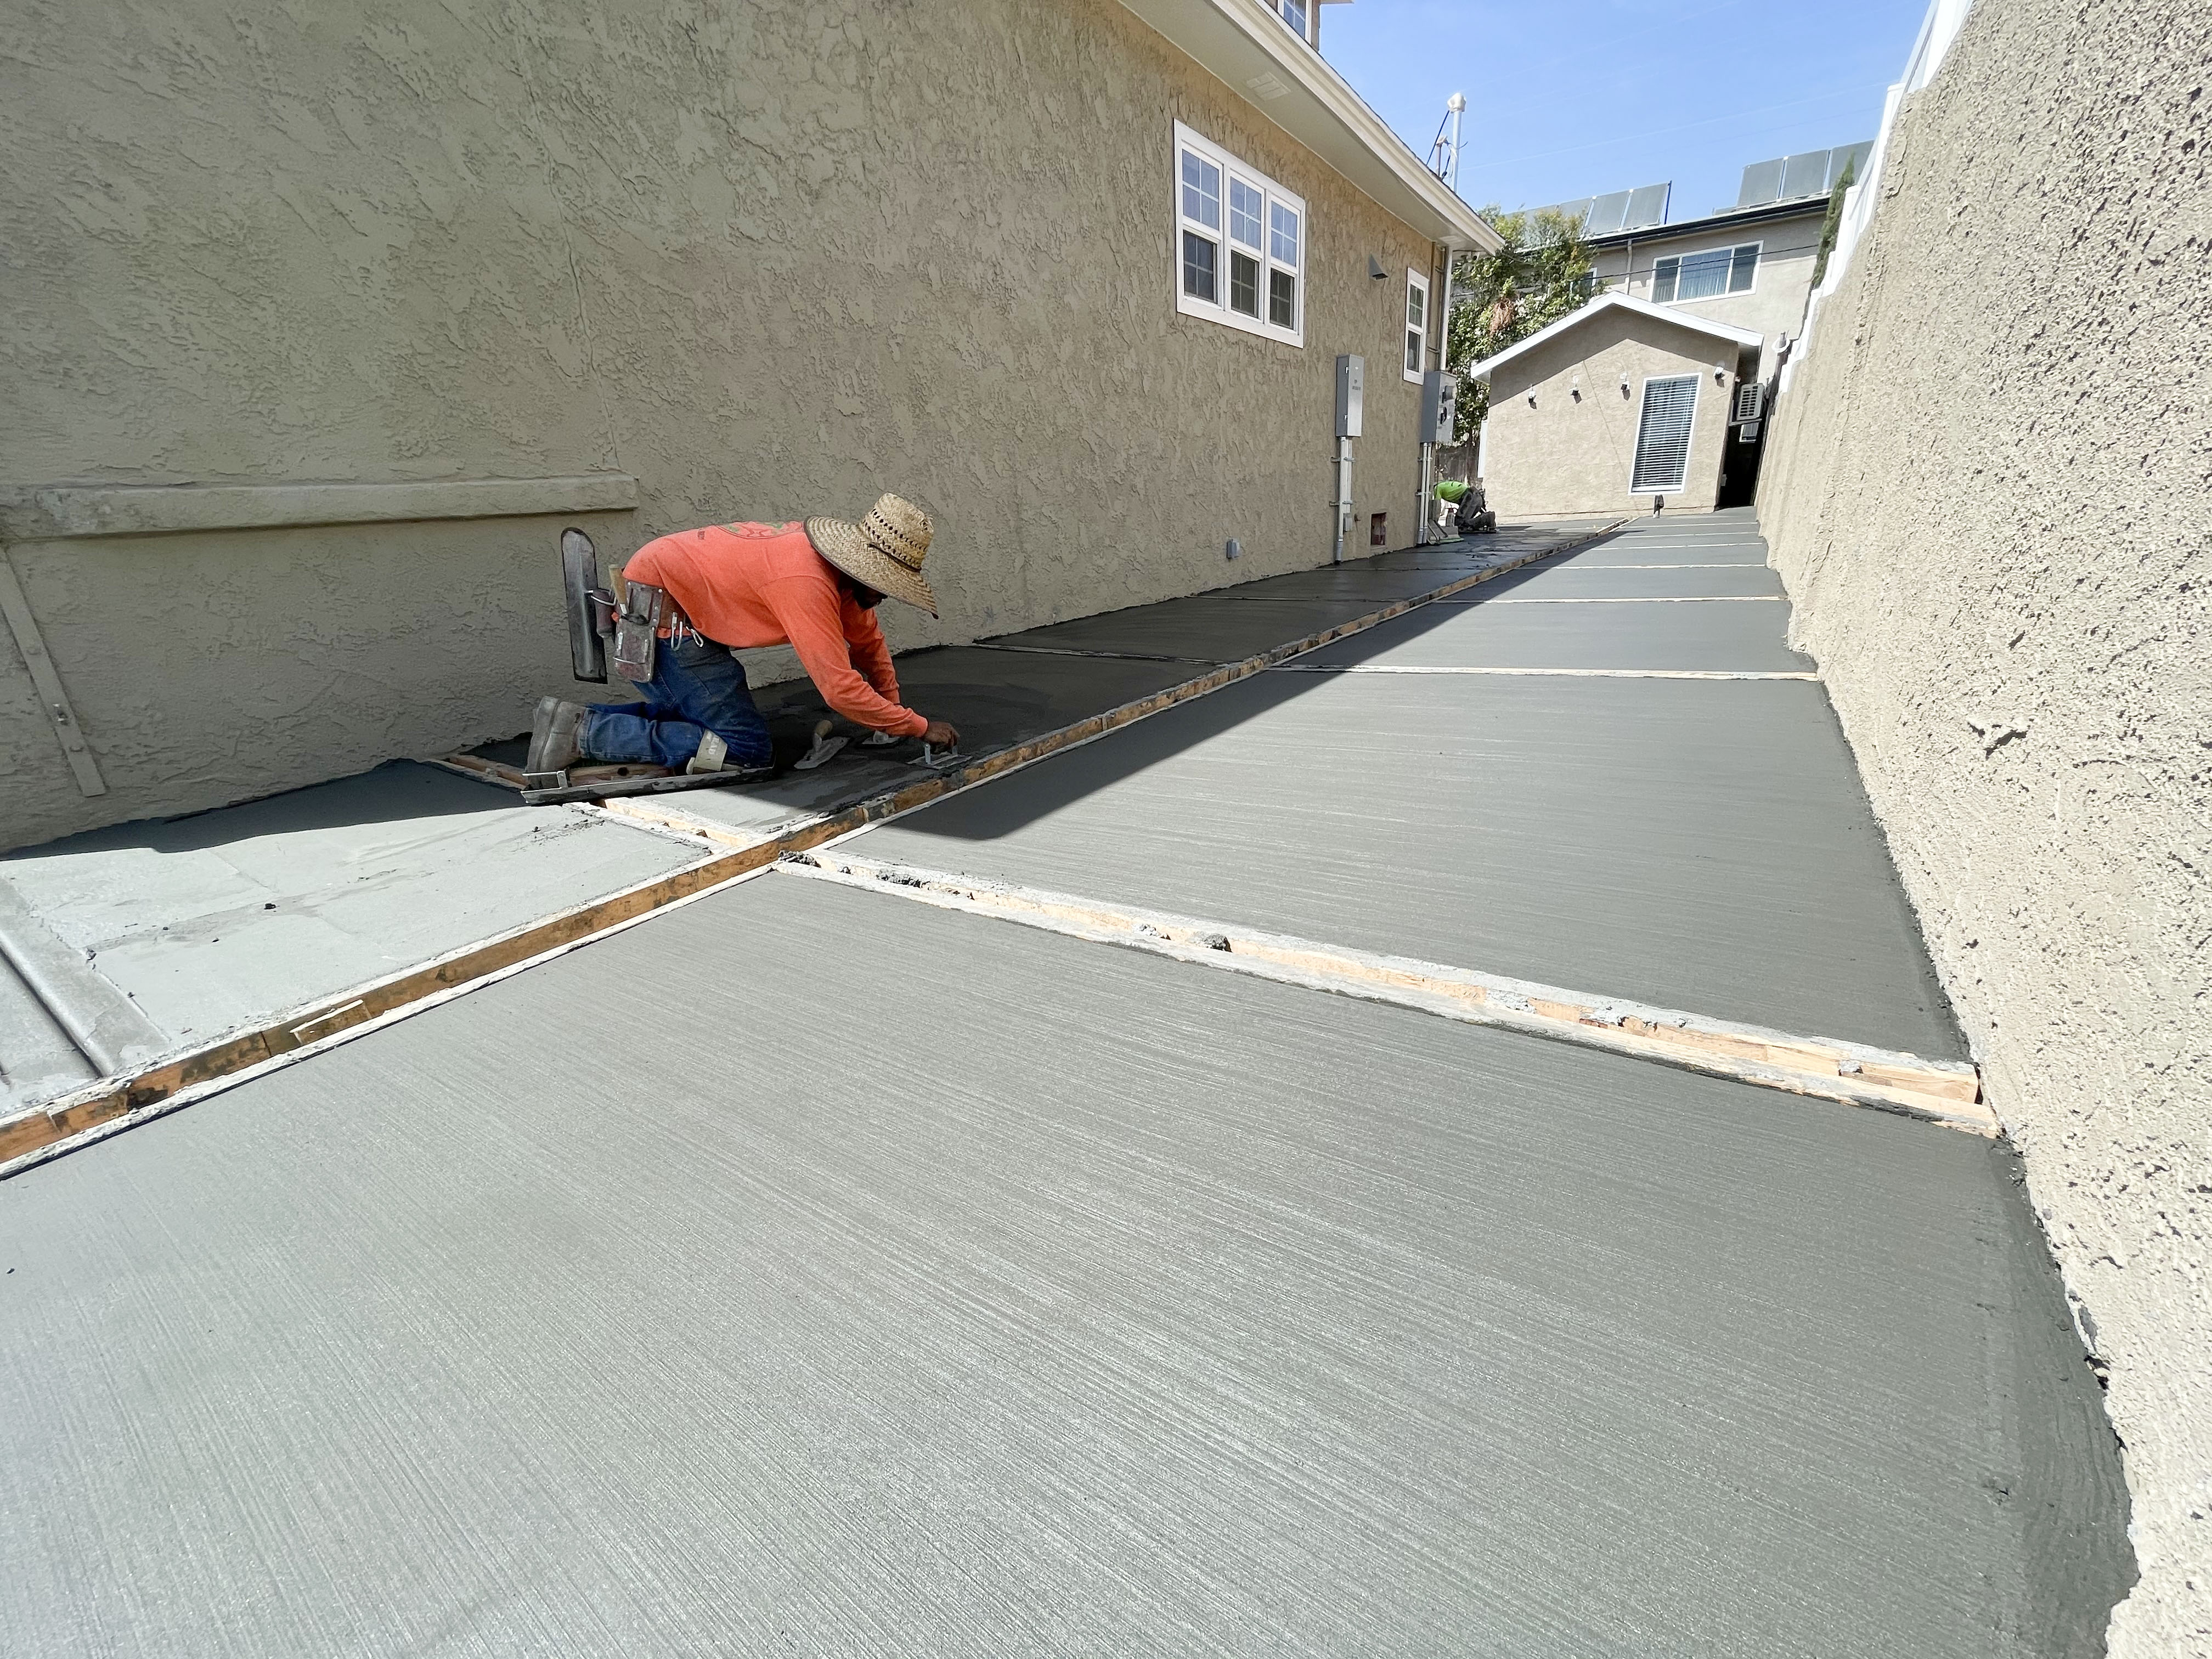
<point x="941" y="736"/>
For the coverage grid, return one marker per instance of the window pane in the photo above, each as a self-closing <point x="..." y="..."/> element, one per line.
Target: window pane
<point x="1283" y="232"/>
<point x="1703" y="274"/>
<point x="1197" y="267"/>
<point x="1243" y="212"/>
<point x="1412" y="351"/>
<point x="1243" y="283"/>
<point x="1745" y="267"/>
<point x="1282" y="299"/>
<point x="1294" y="14"/>
<point x="1663" y="279"/>
<point x="1201" y="191"/>
<point x="1416" y="306"/>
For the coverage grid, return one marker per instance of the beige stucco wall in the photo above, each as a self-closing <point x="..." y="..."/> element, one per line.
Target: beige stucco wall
<point x="1565" y="455"/>
<point x="1776" y="304"/>
<point x="1987" y="489"/>
<point x="767" y="260"/>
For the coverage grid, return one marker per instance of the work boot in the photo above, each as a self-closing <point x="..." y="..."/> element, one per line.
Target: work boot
<point x="712" y="756"/>
<point x="553" y="746"/>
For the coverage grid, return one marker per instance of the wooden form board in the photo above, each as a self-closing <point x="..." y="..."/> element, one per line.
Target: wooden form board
<point x="101" y="1108"/>
<point x="1942" y="1091"/>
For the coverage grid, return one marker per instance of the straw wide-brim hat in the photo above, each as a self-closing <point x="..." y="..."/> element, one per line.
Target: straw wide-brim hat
<point x="885" y="550"/>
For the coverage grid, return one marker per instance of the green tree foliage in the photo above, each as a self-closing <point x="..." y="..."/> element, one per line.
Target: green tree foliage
<point x="1542" y="273"/>
<point x="1834" y="223"/>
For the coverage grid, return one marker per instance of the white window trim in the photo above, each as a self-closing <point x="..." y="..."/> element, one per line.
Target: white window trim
<point x="1758" y="260"/>
<point x="1188" y="305"/>
<point x="1689" y="444"/>
<point x="1415" y="280"/>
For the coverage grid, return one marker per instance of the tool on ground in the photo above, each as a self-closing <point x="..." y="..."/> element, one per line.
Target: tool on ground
<point x="880" y="740"/>
<point x="825" y="747"/>
<point x="939" y="759"/>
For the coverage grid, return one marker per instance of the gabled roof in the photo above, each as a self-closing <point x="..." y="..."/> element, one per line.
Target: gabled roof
<point x="1269" y="64"/>
<point x="1604" y="302"/>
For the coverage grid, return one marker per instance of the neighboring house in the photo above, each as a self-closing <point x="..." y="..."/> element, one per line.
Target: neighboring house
<point x="1658" y="387"/>
<point x="324" y="330"/>
<point x="1750" y="265"/>
<point x="1613" y="405"/>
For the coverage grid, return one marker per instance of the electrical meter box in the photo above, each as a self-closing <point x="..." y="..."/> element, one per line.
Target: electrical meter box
<point x="1439" y="406"/>
<point x="1351" y="389"/>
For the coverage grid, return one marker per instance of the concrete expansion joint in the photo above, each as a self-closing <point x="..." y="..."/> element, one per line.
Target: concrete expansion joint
<point x="1945" y="1093"/>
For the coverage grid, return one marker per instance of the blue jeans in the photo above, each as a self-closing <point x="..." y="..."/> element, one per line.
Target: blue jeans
<point x="697" y="687"/>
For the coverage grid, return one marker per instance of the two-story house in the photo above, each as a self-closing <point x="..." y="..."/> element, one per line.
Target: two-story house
<point x="1656" y="389"/>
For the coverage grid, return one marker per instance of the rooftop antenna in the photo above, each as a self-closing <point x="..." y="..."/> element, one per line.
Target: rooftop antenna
<point x="1443" y="154"/>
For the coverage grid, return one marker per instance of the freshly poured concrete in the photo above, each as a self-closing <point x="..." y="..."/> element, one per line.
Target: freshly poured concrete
<point x="1217" y="627"/>
<point x="1652" y="635"/>
<point x="1040" y="1298"/>
<point x="1701" y="845"/>
<point x="206" y="922"/>
<point x="1568" y="578"/>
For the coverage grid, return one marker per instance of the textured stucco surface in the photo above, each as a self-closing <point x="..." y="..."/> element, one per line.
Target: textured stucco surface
<point x="1988" y="499"/>
<point x="1577" y="455"/>
<point x="769" y="260"/>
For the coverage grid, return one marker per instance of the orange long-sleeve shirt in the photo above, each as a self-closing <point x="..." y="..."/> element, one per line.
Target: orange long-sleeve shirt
<point x="750" y="585"/>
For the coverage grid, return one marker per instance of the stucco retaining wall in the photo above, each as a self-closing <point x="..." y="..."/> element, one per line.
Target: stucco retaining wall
<point x="1988" y="489"/>
<point x="767" y="260"/>
<point x="1568" y="456"/>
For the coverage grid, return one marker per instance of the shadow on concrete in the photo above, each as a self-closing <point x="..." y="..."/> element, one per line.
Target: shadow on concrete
<point x="395" y="792"/>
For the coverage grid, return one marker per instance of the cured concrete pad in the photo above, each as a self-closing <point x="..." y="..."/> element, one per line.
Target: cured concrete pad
<point x="1567" y="578"/>
<point x="207" y="921"/>
<point x="863" y="1306"/>
<point x="1216" y="627"/>
<point x="1737" y="638"/>
<point x="1701" y="845"/>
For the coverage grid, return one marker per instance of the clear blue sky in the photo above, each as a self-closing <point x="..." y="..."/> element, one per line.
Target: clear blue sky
<point x="1570" y="98"/>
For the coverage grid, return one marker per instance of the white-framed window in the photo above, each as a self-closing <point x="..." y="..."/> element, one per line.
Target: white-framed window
<point x="1705" y="276"/>
<point x="1240" y="243"/>
<point x="1663" y="435"/>
<point x="1417" y="325"/>
<point x="1292" y="12"/>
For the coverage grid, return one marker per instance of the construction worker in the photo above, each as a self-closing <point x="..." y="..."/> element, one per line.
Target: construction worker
<point x="814" y="586"/>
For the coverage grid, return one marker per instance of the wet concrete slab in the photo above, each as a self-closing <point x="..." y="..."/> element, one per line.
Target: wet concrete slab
<point x="205" y="921"/>
<point x="1217" y="627"/>
<point x="1700" y="845"/>
<point x="995" y="699"/>
<point x="1744" y="638"/>
<point x="1567" y="577"/>
<point x="978" y="1290"/>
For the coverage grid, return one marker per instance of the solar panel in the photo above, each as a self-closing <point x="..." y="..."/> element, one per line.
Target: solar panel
<point x="1851" y="157"/>
<point x="1605" y="214"/>
<point x="1805" y="175"/>
<point x="1762" y="182"/>
<point x="1619" y="210"/>
<point x="1648" y="206"/>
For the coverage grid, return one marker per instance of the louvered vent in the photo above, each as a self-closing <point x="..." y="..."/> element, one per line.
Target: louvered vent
<point x="1663" y="441"/>
<point x="1748" y="397"/>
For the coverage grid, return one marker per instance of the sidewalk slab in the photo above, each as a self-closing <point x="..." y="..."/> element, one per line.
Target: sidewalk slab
<point x="205" y="921"/>
<point x="1710" y="638"/>
<point x="1216" y="627"/>
<point x="1700" y="845"/>
<point x="1568" y="577"/>
<point x="990" y="1291"/>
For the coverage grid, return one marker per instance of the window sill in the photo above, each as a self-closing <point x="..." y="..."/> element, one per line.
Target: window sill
<point x="1186" y="306"/>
